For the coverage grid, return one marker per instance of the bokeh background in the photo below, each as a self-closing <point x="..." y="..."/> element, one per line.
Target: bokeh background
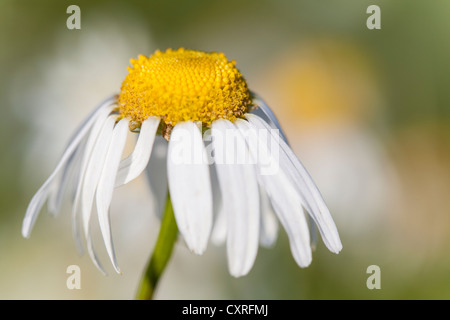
<point x="367" y="112"/>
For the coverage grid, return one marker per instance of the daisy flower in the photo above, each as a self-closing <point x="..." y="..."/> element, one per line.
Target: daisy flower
<point x="230" y="171"/>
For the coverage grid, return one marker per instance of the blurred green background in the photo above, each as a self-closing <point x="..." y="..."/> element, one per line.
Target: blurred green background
<point x="367" y="112"/>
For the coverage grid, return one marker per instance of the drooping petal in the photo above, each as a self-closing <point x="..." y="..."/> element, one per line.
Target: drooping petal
<point x="313" y="200"/>
<point x="156" y="173"/>
<point x="76" y="231"/>
<point x="284" y="197"/>
<point x="219" y="231"/>
<point x="312" y="230"/>
<point x="131" y="167"/>
<point x="267" y="112"/>
<point x="88" y="150"/>
<point x="92" y="175"/>
<point x="108" y="104"/>
<point x="269" y="223"/>
<point x="90" y="144"/>
<point x="55" y="196"/>
<point x="240" y="196"/>
<point x="262" y="105"/>
<point x="60" y="186"/>
<point x="93" y="255"/>
<point x="190" y="185"/>
<point x="39" y="198"/>
<point x="106" y="185"/>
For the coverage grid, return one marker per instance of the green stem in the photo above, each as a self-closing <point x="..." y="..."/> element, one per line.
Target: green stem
<point x="163" y="249"/>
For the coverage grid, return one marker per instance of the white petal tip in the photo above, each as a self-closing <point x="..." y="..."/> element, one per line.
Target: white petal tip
<point x="238" y="271"/>
<point x="26" y="231"/>
<point x="334" y="246"/>
<point x="103" y="271"/>
<point x="116" y="265"/>
<point x="198" y="250"/>
<point x="238" y="274"/>
<point x="27" y="225"/>
<point x="304" y="259"/>
<point x="239" y="268"/>
<point x="304" y="264"/>
<point x="94" y="257"/>
<point x="196" y="246"/>
<point x="336" y="249"/>
<point x="100" y="268"/>
<point x="267" y="244"/>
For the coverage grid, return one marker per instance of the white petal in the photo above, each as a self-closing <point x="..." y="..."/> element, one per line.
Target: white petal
<point x="55" y="195"/>
<point x="219" y="231"/>
<point x="266" y="112"/>
<point x="312" y="229"/>
<point x="240" y="196"/>
<point x="284" y="197"/>
<point x="90" y="144"/>
<point x="309" y="191"/>
<point x="93" y="171"/>
<point x="269" y="114"/>
<point x="131" y="167"/>
<point x="68" y="184"/>
<point x="88" y="150"/>
<point x="269" y="223"/>
<point x="70" y="170"/>
<point x="38" y="199"/>
<point x="106" y="185"/>
<point x="94" y="257"/>
<point x="190" y="185"/>
<point x="107" y="104"/>
<point x="76" y="232"/>
<point x="156" y="173"/>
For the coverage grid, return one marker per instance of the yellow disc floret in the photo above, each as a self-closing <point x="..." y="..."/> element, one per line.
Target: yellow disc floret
<point x="183" y="85"/>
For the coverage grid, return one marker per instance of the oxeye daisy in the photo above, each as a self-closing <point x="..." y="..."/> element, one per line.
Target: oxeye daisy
<point x="230" y="171"/>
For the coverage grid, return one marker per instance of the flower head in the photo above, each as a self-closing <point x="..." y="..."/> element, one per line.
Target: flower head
<point x="184" y="85"/>
<point x="231" y="173"/>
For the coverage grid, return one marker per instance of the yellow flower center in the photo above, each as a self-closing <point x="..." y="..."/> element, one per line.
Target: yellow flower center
<point x="183" y="85"/>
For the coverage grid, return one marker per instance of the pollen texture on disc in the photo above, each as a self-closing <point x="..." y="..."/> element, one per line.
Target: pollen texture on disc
<point x="180" y="85"/>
